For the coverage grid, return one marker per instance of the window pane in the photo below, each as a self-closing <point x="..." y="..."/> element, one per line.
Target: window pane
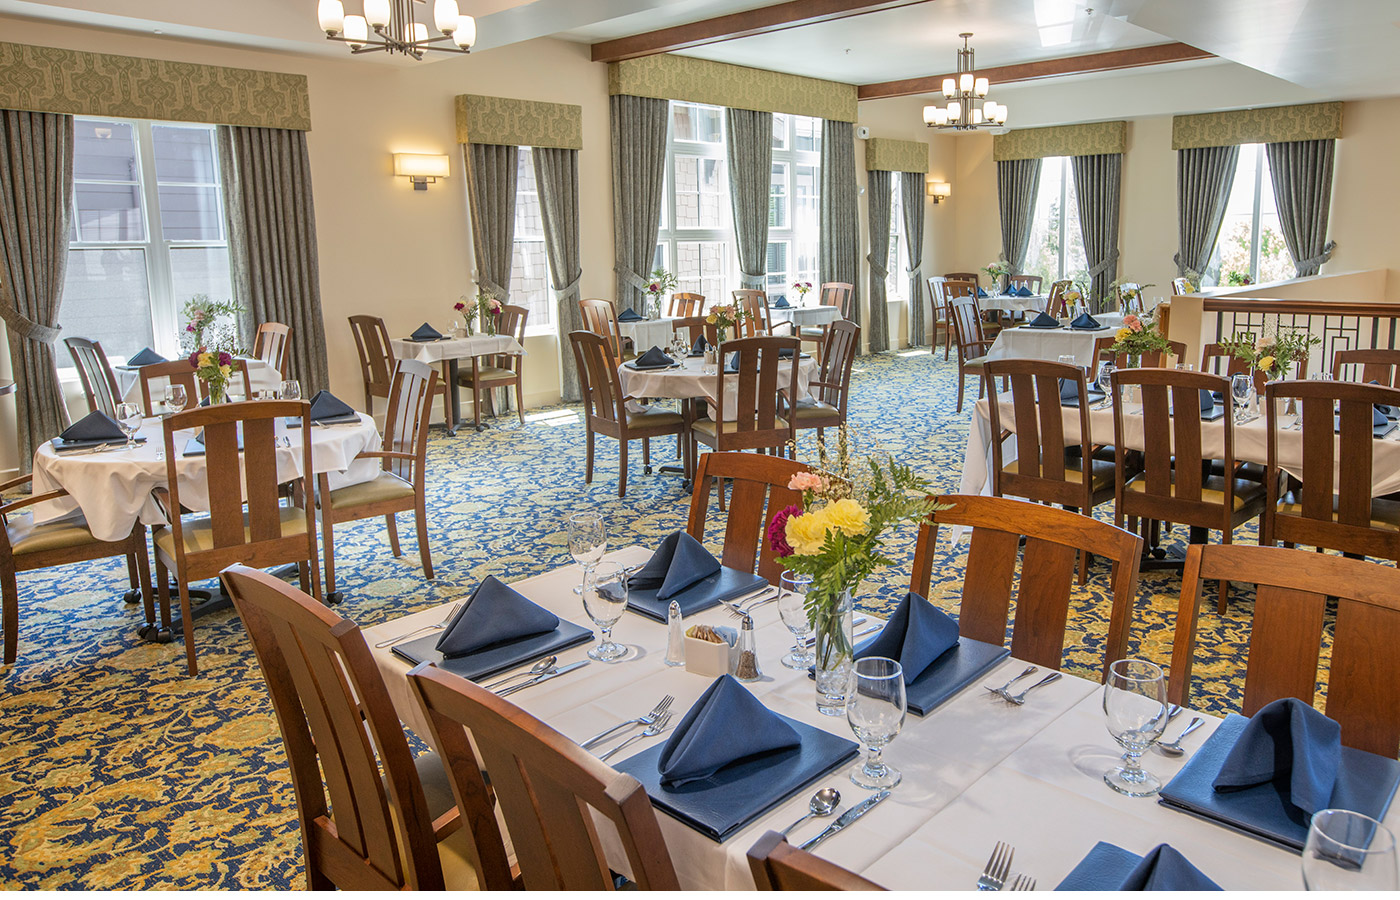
<point x="700" y="192"/>
<point x="104" y="151"/>
<point x="780" y="131"/>
<point x="189" y="213"/>
<point x="1076" y="261"/>
<point x="658" y="259"/>
<point x="809" y="133"/>
<point x="894" y="283"/>
<point x="806" y="212"/>
<point x="778" y="197"/>
<point x="529" y="221"/>
<point x="1043" y="255"/>
<point x="805" y="262"/>
<point x="184" y="155"/>
<point x="1230" y="262"/>
<point x="529" y="281"/>
<point x="196" y="270"/>
<point x="109" y="212"/>
<point x="777" y="284"/>
<point x="1275" y="264"/>
<point x="106" y="298"/>
<point x="693" y="122"/>
<point x="700" y="267"/>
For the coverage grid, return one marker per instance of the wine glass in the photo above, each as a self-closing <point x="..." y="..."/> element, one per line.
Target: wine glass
<point x="875" y="709"/>
<point x="1135" y="703"/>
<point x="588" y="541"/>
<point x="1347" y="851"/>
<point x="290" y="390"/>
<point x="605" y="600"/>
<point x="129" y="419"/>
<point x="1105" y="382"/>
<point x="175" y="398"/>
<point x="792" y="609"/>
<point x="1242" y="389"/>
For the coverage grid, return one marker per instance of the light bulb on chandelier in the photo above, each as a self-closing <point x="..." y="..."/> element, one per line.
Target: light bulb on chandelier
<point x="395" y="28"/>
<point x="966" y="92"/>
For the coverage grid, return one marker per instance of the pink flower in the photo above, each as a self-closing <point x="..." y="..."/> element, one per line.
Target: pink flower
<point x="459" y="306"/>
<point x="654" y="288"/>
<point x="225" y="359"/>
<point x="777" y="530"/>
<point x="495" y="305"/>
<point x="805" y="481"/>
<point x="194" y="360"/>
<point x="190" y="328"/>
<point x="1133" y="322"/>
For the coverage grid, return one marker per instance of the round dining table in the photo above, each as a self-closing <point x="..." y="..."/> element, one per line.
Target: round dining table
<point x="687" y="381"/>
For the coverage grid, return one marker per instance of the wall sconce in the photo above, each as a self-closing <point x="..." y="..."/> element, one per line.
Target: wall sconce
<point x="420" y="168"/>
<point x="938" y="190"/>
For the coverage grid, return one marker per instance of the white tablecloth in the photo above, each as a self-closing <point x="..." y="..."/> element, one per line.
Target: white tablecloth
<point x="113" y="488"/>
<point x="1024" y="342"/>
<point x="649" y="333"/>
<point x="456" y="348"/>
<point x="1013" y="303"/>
<point x="805" y="316"/>
<point x="688" y="381"/>
<point x="975" y="771"/>
<point x="261" y="377"/>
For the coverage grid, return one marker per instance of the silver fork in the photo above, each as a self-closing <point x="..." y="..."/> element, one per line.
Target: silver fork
<point x="652" y="730"/>
<point x="740" y="608"/>
<point x="1022" y="882"/>
<point x="1001" y="691"/>
<point x="647" y="719"/>
<point x="417" y="631"/>
<point x="998" y="867"/>
<point x="1020" y="699"/>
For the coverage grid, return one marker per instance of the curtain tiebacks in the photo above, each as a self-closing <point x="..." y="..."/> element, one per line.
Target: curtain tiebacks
<point x="25" y="327"/>
<point x="630" y="277"/>
<point x="1102" y="267"/>
<point x="1321" y="258"/>
<point x="570" y="289"/>
<point x="880" y="271"/>
<point x="493" y="288"/>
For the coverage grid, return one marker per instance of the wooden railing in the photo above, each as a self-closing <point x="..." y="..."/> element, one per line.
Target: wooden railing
<point x="1340" y="325"/>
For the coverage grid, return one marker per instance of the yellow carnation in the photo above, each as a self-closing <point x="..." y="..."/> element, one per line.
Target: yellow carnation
<point x="848" y="517"/>
<point x="806" y="533"/>
<point x="1123" y="333"/>
<point x="1266" y="363"/>
<point x="710" y="318"/>
<point x="205" y="359"/>
<point x="225" y="370"/>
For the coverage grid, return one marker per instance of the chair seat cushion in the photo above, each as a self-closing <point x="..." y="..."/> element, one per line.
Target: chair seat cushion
<point x="1102" y="477"/>
<point x="26" y="537"/>
<point x="817" y="409"/>
<point x="975" y="362"/>
<point x="387" y="486"/>
<point x="707" y="426"/>
<point x="812" y="334"/>
<point x="199" y="534"/>
<point x="1385" y="514"/>
<point x="488" y="373"/>
<point x="654" y="418"/>
<point x="1212" y="490"/>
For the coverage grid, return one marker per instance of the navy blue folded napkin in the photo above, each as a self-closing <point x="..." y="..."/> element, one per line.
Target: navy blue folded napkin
<point x="1069" y="392"/>
<point x="146" y="357"/>
<point x="654" y="357"/>
<point x="782" y="303"/>
<point x="1024" y="291"/>
<point x="699" y="346"/>
<point x="630" y="315"/>
<point x="725" y="725"/>
<point x="981" y="293"/>
<point x="678" y="563"/>
<point x="1384" y="409"/>
<point x="494" y="614"/>
<point x="1207" y="400"/>
<point x="731" y="365"/>
<point x="1084" y="320"/>
<point x="1290" y="743"/>
<point x="1378" y="415"/>
<point x="426" y="332"/>
<point x="916" y="635"/>
<point x="326" y="406"/>
<point x="95" y="426"/>
<point x="1109" y="867"/>
<point x="1044" y="320"/>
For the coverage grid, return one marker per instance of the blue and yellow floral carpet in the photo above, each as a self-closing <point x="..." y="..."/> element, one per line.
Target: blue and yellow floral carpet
<point x="118" y="771"/>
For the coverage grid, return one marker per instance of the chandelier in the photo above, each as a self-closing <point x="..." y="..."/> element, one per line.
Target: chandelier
<point x="962" y="92"/>
<point x="394" y="27"/>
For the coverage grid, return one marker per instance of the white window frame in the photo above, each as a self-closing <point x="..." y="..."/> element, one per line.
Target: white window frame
<point x="790" y="159"/>
<point x="1211" y="277"/>
<point x="533" y="327"/>
<point x="896" y="287"/>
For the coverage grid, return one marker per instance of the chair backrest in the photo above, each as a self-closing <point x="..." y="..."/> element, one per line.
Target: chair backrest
<point x="934" y="285"/>
<point x="334" y="709"/>
<point x="1288" y="631"/>
<point x="600" y="317"/>
<point x="833" y="385"/>
<point x="511" y="322"/>
<point x="1182" y="285"/>
<point x="99" y="382"/>
<point x="1041" y="468"/>
<point x="685" y="303"/>
<point x="755" y="412"/>
<point x="406" y="422"/>
<point x="1130" y="304"/>
<point x="760" y="492"/>
<point x="778" y="866"/>
<point x="974" y="277"/>
<point x="1027" y="281"/>
<point x="1053" y="538"/>
<point x="694" y="326"/>
<point x="270" y="345"/>
<point x="600" y="385"/>
<point x="839" y="294"/>
<point x="549" y="790"/>
<point x="179" y="371"/>
<point x="967" y="322"/>
<point x="1214" y="358"/>
<point x="1156" y="360"/>
<point x="1055" y="304"/>
<point x="755" y="303"/>
<point x="1380" y="366"/>
<point x="376" y="354"/>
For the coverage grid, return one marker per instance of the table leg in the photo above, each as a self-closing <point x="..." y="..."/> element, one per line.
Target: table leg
<point x="456" y="395"/>
<point x="476" y="394"/>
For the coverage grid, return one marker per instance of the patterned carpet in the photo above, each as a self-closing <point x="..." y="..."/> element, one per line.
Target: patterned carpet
<point x="118" y="771"/>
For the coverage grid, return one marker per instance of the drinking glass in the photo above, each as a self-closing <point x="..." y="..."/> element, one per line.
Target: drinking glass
<point x="1135" y="703"/>
<point x="290" y="390"/>
<point x="588" y="541"/>
<point x="1068" y="359"/>
<point x="605" y="600"/>
<point x="1347" y="851"/>
<point x="175" y="398"/>
<point x="1242" y="389"/>
<point x="792" y="609"/>
<point x="875" y="708"/>
<point x="1105" y="380"/>
<point x="129" y="418"/>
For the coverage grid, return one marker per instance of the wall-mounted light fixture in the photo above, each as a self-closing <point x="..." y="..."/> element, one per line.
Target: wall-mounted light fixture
<point x="939" y="189"/>
<point x="420" y="168"/>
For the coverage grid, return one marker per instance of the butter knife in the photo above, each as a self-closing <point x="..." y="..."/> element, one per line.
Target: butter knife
<point x="847" y="818"/>
<point x="542" y="678"/>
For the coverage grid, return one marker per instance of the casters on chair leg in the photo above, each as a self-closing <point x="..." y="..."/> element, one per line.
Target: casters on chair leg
<point x="334" y="598"/>
<point x="131" y="596"/>
<point x="1159" y="552"/>
<point x="646" y="470"/>
<point x="154" y="634"/>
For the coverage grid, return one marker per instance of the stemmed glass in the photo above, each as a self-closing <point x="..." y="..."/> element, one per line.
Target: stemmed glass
<point x="129" y="418"/>
<point x="875" y="709"/>
<point x="588" y="541"/>
<point x="605" y="600"/>
<point x="175" y="398"/>
<point x="792" y="609"/>
<point x="290" y="390"/>
<point x="1242" y="389"/>
<point x="1347" y="851"/>
<point x="1105" y="381"/>
<point x="1135" y="703"/>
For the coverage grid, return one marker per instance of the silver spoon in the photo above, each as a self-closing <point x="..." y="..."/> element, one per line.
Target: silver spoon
<point x="538" y="668"/>
<point x="1174" y="748"/>
<point x="438" y="627"/>
<point x="823" y="804"/>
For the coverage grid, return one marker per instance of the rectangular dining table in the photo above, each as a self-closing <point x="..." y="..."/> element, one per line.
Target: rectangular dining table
<point x="804" y="316"/>
<point x="1025" y="342"/>
<point x="976" y="770"/>
<point x="449" y="351"/>
<point x="648" y="333"/>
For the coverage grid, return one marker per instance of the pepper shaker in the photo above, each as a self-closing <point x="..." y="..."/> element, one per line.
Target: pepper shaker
<point x="675" y="637"/>
<point x="746" y="669"/>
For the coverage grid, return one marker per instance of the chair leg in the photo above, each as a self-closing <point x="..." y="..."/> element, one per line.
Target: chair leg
<point x="622" y="467"/>
<point x="588" y="460"/>
<point x="187" y="621"/>
<point x="143" y="575"/>
<point x="962" y="389"/>
<point x="163" y="593"/>
<point x="10" y="589"/>
<point x="393" y="527"/>
<point x="304" y="577"/>
<point x="520" y="399"/>
<point x="328" y="550"/>
<point x="424" y="553"/>
<point x="719" y="486"/>
<point x="446" y="407"/>
<point x="491" y="403"/>
<point x="646" y="456"/>
<point x="1223" y="601"/>
<point x="1083" y="567"/>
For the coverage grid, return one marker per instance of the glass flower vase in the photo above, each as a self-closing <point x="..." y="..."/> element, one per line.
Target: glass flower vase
<point x="832" y="628"/>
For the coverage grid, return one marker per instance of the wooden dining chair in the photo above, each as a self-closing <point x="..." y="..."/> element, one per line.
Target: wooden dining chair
<point x="27" y="547"/>
<point x="1033" y="282"/>
<point x="758" y="321"/>
<point x="179" y="371"/>
<point x="752" y="421"/>
<point x="1290" y="627"/>
<point x="938" y="313"/>
<point x="684" y="304"/>
<point x="974" y="277"/>
<point x="600" y="317"/>
<point x="365" y="805"/>
<point x="552" y="793"/>
<point x="1217" y="361"/>
<point x="271" y="346"/>
<point x="1367" y="365"/>
<point x="1332" y="508"/>
<point x="694" y="326"/>
<point x="400" y="486"/>
<point x="1103" y="350"/>
<point x="972" y="341"/>
<point x="839" y="294"/>
<point x="778" y="866"/>
<point x="487" y="374"/>
<point x="377" y="365"/>
<point x="1053" y="538"/>
<point x="98" y="380"/>
<point x="238" y="437"/>
<point x="760" y="490"/>
<point x="1055" y="304"/>
<point x="1170" y="479"/>
<point x="605" y="409"/>
<point x="1049" y="466"/>
<point x="831" y="389"/>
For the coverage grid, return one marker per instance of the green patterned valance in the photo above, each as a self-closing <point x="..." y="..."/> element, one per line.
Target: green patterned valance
<point x="1309" y="122"/>
<point x="47" y="79"/>
<point x="518" y="123"/>
<point x="1061" y="140"/>
<point x="886" y="155"/>
<point x="666" y="76"/>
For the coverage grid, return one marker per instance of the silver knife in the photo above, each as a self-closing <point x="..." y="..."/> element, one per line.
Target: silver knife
<point x="542" y="678"/>
<point x="847" y="818"/>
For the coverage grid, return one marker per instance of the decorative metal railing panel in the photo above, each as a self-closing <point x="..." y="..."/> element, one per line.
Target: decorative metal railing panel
<point x="1340" y="326"/>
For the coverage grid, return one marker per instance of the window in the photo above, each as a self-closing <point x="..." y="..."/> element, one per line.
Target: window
<point x="1056" y="249"/>
<point x="148" y="232"/>
<point x="1250" y="245"/>
<point x="529" y="263"/>
<point x="896" y="280"/>
<point x="793" y="204"/>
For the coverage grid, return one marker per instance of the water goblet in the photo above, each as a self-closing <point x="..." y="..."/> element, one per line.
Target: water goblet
<point x="1105" y="382"/>
<point x="1347" y="851"/>
<point x="1242" y="389"/>
<point x="588" y="541"/>
<point x="129" y="419"/>
<point x="605" y="600"/>
<point x="875" y="710"/>
<point x="175" y="398"/>
<point x="792" y="609"/>
<point x="1135" y="704"/>
<point x="290" y="390"/>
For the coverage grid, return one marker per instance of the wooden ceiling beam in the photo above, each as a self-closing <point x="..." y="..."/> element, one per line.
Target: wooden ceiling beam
<point x="748" y="23"/>
<point x="1046" y="68"/>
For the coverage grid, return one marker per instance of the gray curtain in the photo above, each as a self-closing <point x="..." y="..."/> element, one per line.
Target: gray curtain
<point x="1204" y="176"/>
<point x="638" y="169"/>
<point x="272" y="241"/>
<point x="36" y="183"/>
<point x="1302" y="173"/>
<point x="1018" y="183"/>
<point x="840" y="216"/>
<point x="912" y="203"/>
<point x="492" y="173"/>
<point x="749" y="145"/>
<point x="556" y="176"/>
<point x="1098" y="181"/>
<point x="878" y="189"/>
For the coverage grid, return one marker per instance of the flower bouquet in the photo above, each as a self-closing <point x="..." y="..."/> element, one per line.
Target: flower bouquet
<point x="211" y="323"/>
<point x="488" y="308"/>
<point x="661" y="283"/>
<point x="1272" y="354"/>
<point x="213" y="367"/>
<point x="1139" y="336"/>
<point x="802" y="287"/>
<point x="996" y="270"/>
<point x="462" y="307"/>
<point x="726" y="317"/>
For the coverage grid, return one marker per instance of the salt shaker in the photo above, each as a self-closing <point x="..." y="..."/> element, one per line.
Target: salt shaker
<point x="746" y="669"/>
<point x="675" y="637"/>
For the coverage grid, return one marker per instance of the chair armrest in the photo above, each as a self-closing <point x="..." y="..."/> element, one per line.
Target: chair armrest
<point x="773" y="329"/>
<point x="385" y="454"/>
<point x="16" y="482"/>
<point x="32" y="499"/>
